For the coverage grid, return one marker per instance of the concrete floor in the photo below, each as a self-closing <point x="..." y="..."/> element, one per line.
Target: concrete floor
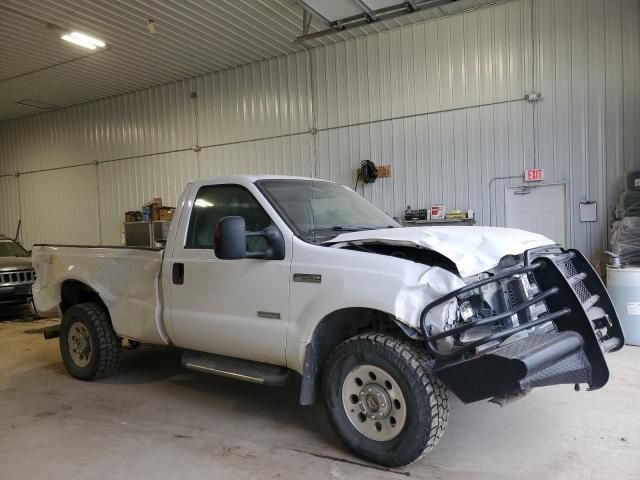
<point x="156" y="420"/>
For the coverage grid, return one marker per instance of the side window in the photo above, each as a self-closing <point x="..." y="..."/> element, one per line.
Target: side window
<point x="217" y="201"/>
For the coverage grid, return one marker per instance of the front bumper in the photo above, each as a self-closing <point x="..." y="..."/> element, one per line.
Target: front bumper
<point x="586" y="327"/>
<point x="20" y="293"/>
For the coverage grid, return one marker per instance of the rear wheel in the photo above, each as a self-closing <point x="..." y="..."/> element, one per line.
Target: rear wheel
<point x="90" y="348"/>
<point x="382" y="402"/>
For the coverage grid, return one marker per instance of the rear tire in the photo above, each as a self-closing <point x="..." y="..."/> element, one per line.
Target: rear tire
<point x="89" y="346"/>
<point x="381" y="400"/>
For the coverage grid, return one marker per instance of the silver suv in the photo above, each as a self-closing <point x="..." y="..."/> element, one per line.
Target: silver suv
<point x="16" y="273"/>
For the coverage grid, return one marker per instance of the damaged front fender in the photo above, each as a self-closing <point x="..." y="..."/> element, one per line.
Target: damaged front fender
<point x="432" y="285"/>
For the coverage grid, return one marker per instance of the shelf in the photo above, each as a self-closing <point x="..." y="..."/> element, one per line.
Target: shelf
<point x="154" y="221"/>
<point x="441" y="222"/>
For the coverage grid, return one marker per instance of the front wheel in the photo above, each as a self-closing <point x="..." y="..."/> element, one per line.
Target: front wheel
<point x="382" y="402"/>
<point x="90" y="348"/>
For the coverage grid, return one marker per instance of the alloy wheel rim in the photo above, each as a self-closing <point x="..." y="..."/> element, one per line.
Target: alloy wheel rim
<point x="374" y="402"/>
<point x="79" y="343"/>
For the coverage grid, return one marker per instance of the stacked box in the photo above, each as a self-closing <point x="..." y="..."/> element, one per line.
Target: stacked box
<point x="625" y="231"/>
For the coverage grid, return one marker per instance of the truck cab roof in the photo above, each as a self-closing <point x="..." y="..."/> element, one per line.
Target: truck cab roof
<point x="251" y="178"/>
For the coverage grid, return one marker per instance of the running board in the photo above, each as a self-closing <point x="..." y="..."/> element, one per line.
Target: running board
<point x="245" y="370"/>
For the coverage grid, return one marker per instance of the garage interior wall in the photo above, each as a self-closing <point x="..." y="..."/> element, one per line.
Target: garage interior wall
<point x="441" y="101"/>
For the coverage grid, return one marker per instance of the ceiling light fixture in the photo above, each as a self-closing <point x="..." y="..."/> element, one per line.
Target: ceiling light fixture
<point x="83" y="40"/>
<point x="37" y="104"/>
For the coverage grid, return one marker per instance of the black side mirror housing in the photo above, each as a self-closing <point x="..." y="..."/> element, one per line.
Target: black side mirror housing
<point x="275" y="242"/>
<point x="230" y="239"/>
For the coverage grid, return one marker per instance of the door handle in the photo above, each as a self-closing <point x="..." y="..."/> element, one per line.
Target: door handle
<point x="177" y="274"/>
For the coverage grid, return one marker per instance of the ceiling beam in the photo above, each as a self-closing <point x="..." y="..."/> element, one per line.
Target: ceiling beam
<point x="381" y="14"/>
<point x="369" y="12"/>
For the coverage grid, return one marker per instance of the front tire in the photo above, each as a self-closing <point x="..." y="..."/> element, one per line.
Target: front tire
<point x="90" y="348"/>
<point x="381" y="400"/>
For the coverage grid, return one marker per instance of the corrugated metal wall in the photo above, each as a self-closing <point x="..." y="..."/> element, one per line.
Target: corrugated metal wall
<point x="476" y="58"/>
<point x="447" y="157"/>
<point x="60" y="206"/>
<point x="9" y="205"/>
<point x="588" y="69"/>
<point x="441" y="101"/>
<point x="127" y="184"/>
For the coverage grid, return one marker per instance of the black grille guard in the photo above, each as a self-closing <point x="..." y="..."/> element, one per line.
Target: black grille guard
<point x="578" y="304"/>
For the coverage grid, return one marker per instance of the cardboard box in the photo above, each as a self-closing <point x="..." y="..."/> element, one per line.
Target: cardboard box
<point x="166" y="214"/>
<point x="155" y="212"/>
<point x="599" y="262"/>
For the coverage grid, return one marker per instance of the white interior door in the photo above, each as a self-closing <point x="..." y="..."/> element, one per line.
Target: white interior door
<point x="538" y="208"/>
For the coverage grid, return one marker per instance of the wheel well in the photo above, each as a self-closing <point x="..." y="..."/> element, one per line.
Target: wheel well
<point x="74" y="292"/>
<point x="334" y="329"/>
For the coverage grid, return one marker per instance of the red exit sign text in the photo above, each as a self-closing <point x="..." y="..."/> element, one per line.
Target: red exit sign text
<point x="534" y="174"/>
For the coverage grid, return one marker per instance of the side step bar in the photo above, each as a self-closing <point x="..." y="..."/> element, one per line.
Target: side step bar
<point x="245" y="370"/>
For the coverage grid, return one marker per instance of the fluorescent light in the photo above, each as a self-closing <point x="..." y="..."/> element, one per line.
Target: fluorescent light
<point x="88" y="38"/>
<point x="71" y="39"/>
<point x="83" y="40"/>
<point x="27" y="102"/>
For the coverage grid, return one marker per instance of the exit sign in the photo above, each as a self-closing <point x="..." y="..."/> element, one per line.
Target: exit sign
<point x="534" y="174"/>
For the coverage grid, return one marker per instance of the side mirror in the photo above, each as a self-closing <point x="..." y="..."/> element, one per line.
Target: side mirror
<point x="230" y="239"/>
<point x="275" y="242"/>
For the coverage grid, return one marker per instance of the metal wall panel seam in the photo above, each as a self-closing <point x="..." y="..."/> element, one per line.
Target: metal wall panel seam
<point x="403" y="117"/>
<point x="312" y="112"/>
<point x="53" y="169"/>
<point x="98" y="210"/>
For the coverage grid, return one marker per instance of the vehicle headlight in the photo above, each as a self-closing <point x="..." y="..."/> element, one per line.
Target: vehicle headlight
<point x="466" y="311"/>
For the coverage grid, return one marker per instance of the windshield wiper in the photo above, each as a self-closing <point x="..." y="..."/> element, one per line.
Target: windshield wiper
<point x="314" y="233"/>
<point x="355" y="228"/>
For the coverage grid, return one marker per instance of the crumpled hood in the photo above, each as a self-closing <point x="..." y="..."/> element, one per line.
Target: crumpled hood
<point x="473" y="249"/>
<point x="17" y="263"/>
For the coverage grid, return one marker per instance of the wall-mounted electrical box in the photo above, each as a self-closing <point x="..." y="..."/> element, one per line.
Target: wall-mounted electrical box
<point x="588" y="212"/>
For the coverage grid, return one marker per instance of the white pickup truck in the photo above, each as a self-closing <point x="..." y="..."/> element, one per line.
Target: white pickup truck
<point x="265" y="278"/>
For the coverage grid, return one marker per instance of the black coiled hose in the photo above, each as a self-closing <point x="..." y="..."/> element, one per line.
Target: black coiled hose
<point x="368" y="173"/>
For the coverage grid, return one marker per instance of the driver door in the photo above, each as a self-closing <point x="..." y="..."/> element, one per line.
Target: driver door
<point x="237" y="308"/>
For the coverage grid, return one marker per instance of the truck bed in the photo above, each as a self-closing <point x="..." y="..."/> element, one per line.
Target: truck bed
<point x="126" y="278"/>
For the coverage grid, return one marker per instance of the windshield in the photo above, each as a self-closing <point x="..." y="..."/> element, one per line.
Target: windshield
<point x="320" y="210"/>
<point x="10" y="249"/>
